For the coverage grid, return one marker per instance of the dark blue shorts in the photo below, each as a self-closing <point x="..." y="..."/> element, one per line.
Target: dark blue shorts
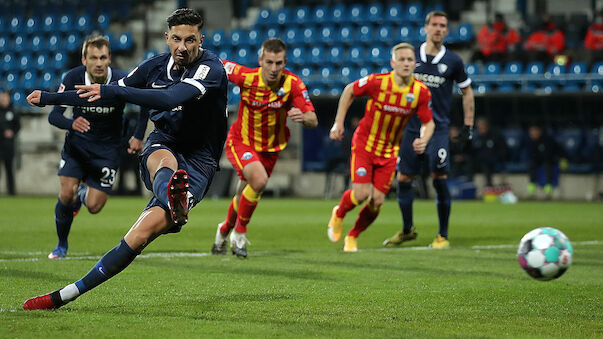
<point x="199" y="164"/>
<point x="437" y="153"/>
<point x="95" y="163"/>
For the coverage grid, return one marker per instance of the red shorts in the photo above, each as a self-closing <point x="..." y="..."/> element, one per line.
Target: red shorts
<point x="367" y="168"/>
<point x="240" y="155"/>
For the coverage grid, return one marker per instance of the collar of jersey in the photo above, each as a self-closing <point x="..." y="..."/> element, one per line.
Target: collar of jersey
<point x="170" y="64"/>
<point x="438" y="56"/>
<point x="395" y="86"/>
<point x="88" y="82"/>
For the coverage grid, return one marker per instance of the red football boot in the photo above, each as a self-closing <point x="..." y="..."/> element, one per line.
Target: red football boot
<point x="44" y="302"/>
<point x="177" y="195"/>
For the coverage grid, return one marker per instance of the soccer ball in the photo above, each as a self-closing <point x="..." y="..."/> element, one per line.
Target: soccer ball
<point x="545" y="253"/>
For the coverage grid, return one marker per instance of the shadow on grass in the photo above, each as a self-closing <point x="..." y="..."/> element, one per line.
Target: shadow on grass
<point x="34" y="275"/>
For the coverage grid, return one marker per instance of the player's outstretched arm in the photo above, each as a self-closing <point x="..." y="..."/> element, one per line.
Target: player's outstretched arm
<point x="56" y="117"/>
<point x="345" y="101"/>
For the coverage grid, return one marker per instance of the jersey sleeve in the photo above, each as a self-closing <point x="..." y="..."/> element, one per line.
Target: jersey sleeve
<point x="460" y="76"/>
<point x="56" y="117"/>
<point x="235" y="72"/>
<point x="300" y="97"/>
<point x="364" y="86"/>
<point x="424" y="110"/>
<point x="205" y="76"/>
<point x="137" y="77"/>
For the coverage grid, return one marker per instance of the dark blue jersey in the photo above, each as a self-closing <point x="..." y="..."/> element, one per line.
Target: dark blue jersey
<point x="200" y="120"/>
<point x="105" y="122"/>
<point x="438" y="73"/>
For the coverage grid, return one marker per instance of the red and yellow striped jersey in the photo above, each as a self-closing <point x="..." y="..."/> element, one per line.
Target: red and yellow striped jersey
<point x="262" y="117"/>
<point x="388" y="110"/>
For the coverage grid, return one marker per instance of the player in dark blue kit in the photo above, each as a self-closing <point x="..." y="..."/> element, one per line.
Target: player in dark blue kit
<point x="91" y="150"/>
<point x="185" y="92"/>
<point x="437" y="68"/>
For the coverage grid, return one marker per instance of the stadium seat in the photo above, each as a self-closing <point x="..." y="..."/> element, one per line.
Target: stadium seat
<point x="481" y="88"/>
<point x="345" y="34"/>
<point x="28" y="81"/>
<point x="24" y="62"/>
<point x="234" y="95"/>
<point x="335" y="55"/>
<point x="305" y="74"/>
<point x="492" y="68"/>
<point x="272" y="32"/>
<point x="577" y="74"/>
<point x="517" y="152"/>
<point x="384" y="34"/>
<point x="47" y="81"/>
<point x="364" y="71"/>
<point x="464" y="33"/>
<point x="254" y="37"/>
<point x="308" y="35"/>
<point x="378" y="55"/>
<point x="596" y="87"/>
<point x="394" y="13"/>
<point x="570" y="87"/>
<point x="335" y="91"/>
<point x="224" y="53"/>
<point x="320" y="14"/>
<point x="338" y="14"/>
<point x="72" y="42"/>
<point x="326" y="75"/>
<point x="327" y="34"/>
<point x="355" y="55"/>
<point x="414" y="13"/>
<point x="243" y="55"/>
<point x="31" y="25"/>
<point x="15" y="24"/>
<point x="236" y="37"/>
<point x="472" y="69"/>
<point x="20" y="43"/>
<point x="298" y="55"/>
<point x="4" y="44"/>
<point x="218" y="38"/>
<point x="317" y="90"/>
<point x="452" y="37"/>
<point x="356" y="14"/>
<point x="420" y="34"/>
<point x="528" y="87"/>
<point x="11" y="80"/>
<point x="49" y="23"/>
<point x="597" y="68"/>
<point x="365" y="34"/>
<point x="535" y="72"/>
<point x="383" y="69"/>
<point x="54" y="43"/>
<point x="374" y="13"/>
<point x="19" y="99"/>
<point x="3" y="24"/>
<point x="149" y="54"/>
<point x="59" y="61"/>
<point x="571" y="140"/>
<point x="301" y="15"/>
<point x="514" y="68"/>
<point x="41" y="62"/>
<point x="282" y="16"/>
<point x="265" y="17"/>
<point x="348" y="74"/>
<point x="102" y="21"/>
<point x="124" y="42"/>
<point x="82" y="24"/>
<point x="505" y="88"/>
<point x="8" y="62"/>
<point x="317" y="55"/>
<point x="292" y="36"/>
<point x="404" y="33"/>
<point x="65" y="23"/>
<point x="37" y="43"/>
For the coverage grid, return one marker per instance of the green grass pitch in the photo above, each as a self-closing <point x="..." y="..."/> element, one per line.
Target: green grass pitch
<point x="296" y="283"/>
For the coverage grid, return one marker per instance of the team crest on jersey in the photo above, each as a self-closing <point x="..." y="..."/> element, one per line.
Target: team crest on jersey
<point x="229" y="67"/>
<point x="61" y="89"/>
<point x="363" y="81"/>
<point x="361" y="171"/>
<point x="247" y="156"/>
<point x="201" y="72"/>
<point x="442" y="68"/>
<point x="410" y="98"/>
<point x="280" y="92"/>
<point x="306" y="95"/>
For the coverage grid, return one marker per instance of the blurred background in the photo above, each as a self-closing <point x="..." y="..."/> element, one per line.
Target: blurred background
<point x="535" y="64"/>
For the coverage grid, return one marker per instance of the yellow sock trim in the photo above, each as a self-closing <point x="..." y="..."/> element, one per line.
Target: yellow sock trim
<point x="251" y="195"/>
<point x="374" y="209"/>
<point x="235" y="204"/>
<point x="353" y="198"/>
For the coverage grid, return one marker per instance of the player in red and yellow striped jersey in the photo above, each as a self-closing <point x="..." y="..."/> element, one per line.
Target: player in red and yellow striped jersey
<point x="393" y="99"/>
<point x="269" y="95"/>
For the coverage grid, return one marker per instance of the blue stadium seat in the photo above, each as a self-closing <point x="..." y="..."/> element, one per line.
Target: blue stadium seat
<point x="334" y="91"/>
<point x="317" y="90"/>
<point x="4" y="44"/>
<point x="464" y="33"/>
<point x="365" y="34"/>
<point x="403" y="33"/>
<point x="338" y="14"/>
<point x="254" y="37"/>
<point x="301" y="15"/>
<point x="364" y="71"/>
<point x="3" y="24"/>
<point x="65" y="23"/>
<point x="596" y="87"/>
<point x="283" y="16"/>
<point x="47" y="81"/>
<point x="20" y="43"/>
<point x="15" y="24"/>
<point x="326" y="75"/>
<point x="394" y="13"/>
<point x="37" y="43"/>
<point x="348" y="74"/>
<point x="59" y="61"/>
<point x="82" y="23"/>
<point x="31" y="25"/>
<point x="597" y="68"/>
<point x="54" y="43"/>
<point x="345" y="34"/>
<point x="481" y="88"/>
<point x="11" y="80"/>
<point x="298" y="55"/>
<point x="492" y="68"/>
<point x="149" y="54"/>
<point x="577" y="72"/>
<point x="420" y="34"/>
<point x="124" y="42"/>
<point x="305" y="74"/>
<point x="28" y="81"/>
<point x="355" y="55"/>
<point x="335" y="55"/>
<point x="49" y="23"/>
<point x="234" y="95"/>
<point x="320" y="14"/>
<point x="272" y="32"/>
<point x="356" y="14"/>
<point x="265" y="17"/>
<point x="225" y="53"/>
<point x="452" y="37"/>
<point x="243" y="55"/>
<point x="24" y="62"/>
<point x="505" y="88"/>
<point x="514" y="68"/>
<point x="237" y="37"/>
<point x="308" y="34"/>
<point x="102" y="21"/>
<point x="570" y="87"/>
<point x="317" y="55"/>
<point x="472" y="69"/>
<point x="41" y="62"/>
<point x="218" y="38"/>
<point x="383" y="69"/>
<point x="19" y="99"/>
<point x="8" y="62"/>
<point x="384" y="34"/>
<point x="378" y="55"/>
<point x="414" y="13"/>
<point x="292" y="36"/>
<point x="517" y="152"/>
<point x="555" y="70"/>
<point x="374" y="13"/>
<point x="535" y="71"/>
<point x="327" y="34"/>
<point x="72" y="42"/>
<point x="571" y="141"/>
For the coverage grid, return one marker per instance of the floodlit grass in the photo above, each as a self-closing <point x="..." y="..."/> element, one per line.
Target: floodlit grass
<point x="296" y="283"/>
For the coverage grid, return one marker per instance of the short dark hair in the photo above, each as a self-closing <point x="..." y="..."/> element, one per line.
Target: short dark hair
<point x="185" y="16"/>
<point x="274" y="45"/>
<point x="96" y="41"/>
<point x="434" y="13"/>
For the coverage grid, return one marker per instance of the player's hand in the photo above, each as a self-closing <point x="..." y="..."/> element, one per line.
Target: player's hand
<point x="336" y="132"/>
<point x="135" y="146"/>
<point x="81" y="125"/>
<point x="465" y="137"/>
<point x="419" y="145"/>
<point x="92" y="92"/>
<point x="296" y="115"/>
<point x="33" y="99"/>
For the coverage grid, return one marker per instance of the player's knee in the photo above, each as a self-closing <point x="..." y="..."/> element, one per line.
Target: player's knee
<point x="404" y="178"/>
<point x="258" y="183"/>
<point x="95" y="207"/>
<point x="361" y="196"/>
<point x="377" y="201"/>
<point x="67" y="197"/>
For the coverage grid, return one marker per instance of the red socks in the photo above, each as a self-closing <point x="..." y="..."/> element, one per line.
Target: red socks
<point x="346" y="204"/>
<point x="365" y="218"/>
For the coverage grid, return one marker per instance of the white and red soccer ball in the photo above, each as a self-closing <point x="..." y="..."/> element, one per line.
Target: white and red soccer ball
<point x="545" y="253"/>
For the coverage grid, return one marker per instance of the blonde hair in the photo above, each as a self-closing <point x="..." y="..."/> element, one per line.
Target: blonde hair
<point x="96" y="41"/>
<point x="402" y="45"/>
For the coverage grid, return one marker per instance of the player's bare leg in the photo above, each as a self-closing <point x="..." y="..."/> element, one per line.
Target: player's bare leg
<point x="95" y="200"/>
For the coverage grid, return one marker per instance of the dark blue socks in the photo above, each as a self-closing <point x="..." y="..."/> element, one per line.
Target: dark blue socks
<point x="442" y="204"/>
<point x="405" y="198"/>
<point x="109" y="265"/>
<point x="160" y="182"/>
<point x="63" y="216"/>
